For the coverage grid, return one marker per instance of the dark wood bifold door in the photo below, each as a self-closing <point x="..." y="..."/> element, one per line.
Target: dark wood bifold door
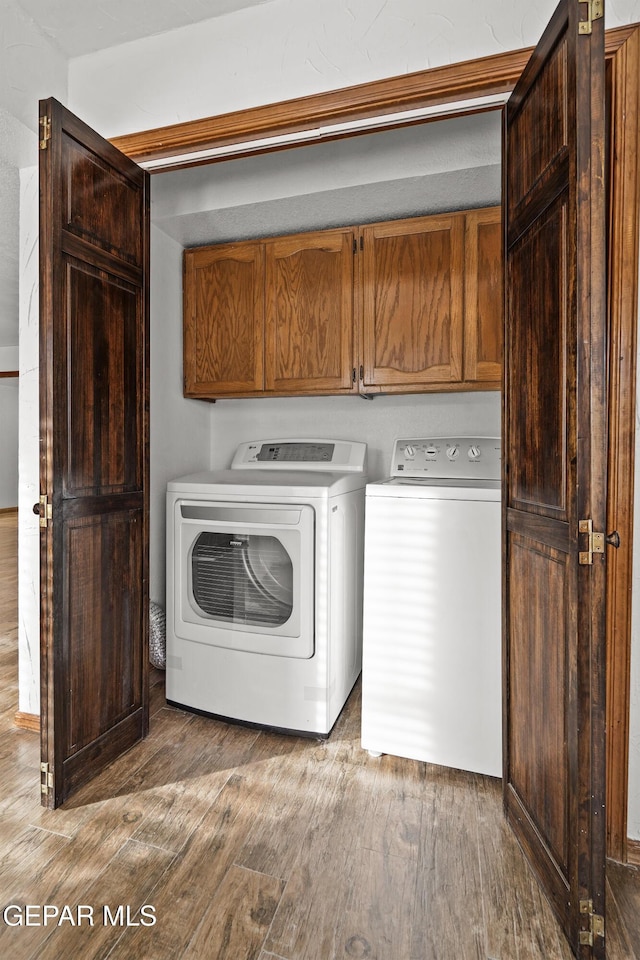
<point x="94" y="254"/>
<point x="555" y="469"/>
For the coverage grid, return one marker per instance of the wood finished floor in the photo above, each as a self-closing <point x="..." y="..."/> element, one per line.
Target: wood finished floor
<point x="252" y="846"/>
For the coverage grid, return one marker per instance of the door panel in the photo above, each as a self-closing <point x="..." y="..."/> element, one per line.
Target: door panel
<point x="94" y="249"/>
<point x="105" y="361"/>
<point x="539" y="768"/>
<point x="538" y="157"/>
<point x="104" y="665"/>
<point x="555" y="471"/>
<point x="98" y="203"/>
<point x="540" y="480"/>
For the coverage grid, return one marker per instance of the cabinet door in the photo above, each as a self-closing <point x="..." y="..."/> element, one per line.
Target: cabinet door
<point x="484" y="299"/>
<point x="223" y="319"/>
<point x="413" y="301"/>
<point x="309" y="313"/>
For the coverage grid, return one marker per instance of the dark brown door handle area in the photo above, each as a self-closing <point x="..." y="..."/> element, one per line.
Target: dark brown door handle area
<point x="613" y="539"/>
<point x="36" y="509"/>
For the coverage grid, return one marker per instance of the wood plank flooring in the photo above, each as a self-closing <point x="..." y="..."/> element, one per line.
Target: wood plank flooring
<point x="254" y="846"/>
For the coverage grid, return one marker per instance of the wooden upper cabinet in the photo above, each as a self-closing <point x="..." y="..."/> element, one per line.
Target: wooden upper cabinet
<point x="223" y="319"/>
<point x="413" y="301"/>
<point x="403" y="306"/>
<point x="309" y="317"/>
<point x="484" y="277"/>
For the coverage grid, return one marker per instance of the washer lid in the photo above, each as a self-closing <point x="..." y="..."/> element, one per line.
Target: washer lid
<point x="266" y="484"/>
<point x="436" y="489"/>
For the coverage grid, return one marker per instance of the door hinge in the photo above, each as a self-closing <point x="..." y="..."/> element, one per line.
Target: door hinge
<point x="596" y="924"/>
<point x="45" y="131"/>
<point x="46" y="778"/>
<point x="595" y="11"/>
<point x="595" y="542"/>
<point x="46" y="511"/>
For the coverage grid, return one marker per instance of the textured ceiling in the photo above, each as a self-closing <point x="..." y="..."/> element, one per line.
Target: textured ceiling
<point x="77" y="27"/>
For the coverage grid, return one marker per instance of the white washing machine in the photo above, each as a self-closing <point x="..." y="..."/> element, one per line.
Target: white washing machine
<point x="264" y="584"/>
<point x="431" y="674"/>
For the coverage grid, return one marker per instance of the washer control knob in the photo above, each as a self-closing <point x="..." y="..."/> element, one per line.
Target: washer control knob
<point x="453" y="451"/>
<point x="431" y="451"/>
<point x="474" y="452"/>
<point x="409" y="451"/>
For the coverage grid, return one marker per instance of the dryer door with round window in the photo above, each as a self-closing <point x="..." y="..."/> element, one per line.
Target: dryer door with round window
<point x="246" y="576"/>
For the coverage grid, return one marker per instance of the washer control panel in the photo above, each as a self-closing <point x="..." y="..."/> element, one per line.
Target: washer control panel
<point x="454" y="458"/>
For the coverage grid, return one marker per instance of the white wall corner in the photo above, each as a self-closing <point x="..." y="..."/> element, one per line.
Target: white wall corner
<point x="28" y="449"/>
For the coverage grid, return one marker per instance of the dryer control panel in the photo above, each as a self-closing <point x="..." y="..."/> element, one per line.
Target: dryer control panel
<point x="454" y="458"/>
<point x="329" y="456"/>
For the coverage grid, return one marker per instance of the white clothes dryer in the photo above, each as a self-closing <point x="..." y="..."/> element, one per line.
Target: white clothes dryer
<point x="264" y="584"/>
<point x="431" y="674"/>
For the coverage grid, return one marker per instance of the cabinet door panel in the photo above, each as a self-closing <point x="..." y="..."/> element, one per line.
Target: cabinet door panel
<point x="413" y="301"/>
<point x="309" y="313"/>
<point x="484" y="299"/>
<point x="223" y="319"/>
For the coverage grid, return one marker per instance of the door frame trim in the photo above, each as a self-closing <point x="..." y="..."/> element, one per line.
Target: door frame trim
<point x="469" y="79"/>
<point x="448" y="84"/>
<point x="624" y="253"/>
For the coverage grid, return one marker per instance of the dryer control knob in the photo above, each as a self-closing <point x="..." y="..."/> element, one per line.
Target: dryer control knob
<point x="409" y="451"/>
<point x="453" y="451"/>
<point x="474" y="452"/>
